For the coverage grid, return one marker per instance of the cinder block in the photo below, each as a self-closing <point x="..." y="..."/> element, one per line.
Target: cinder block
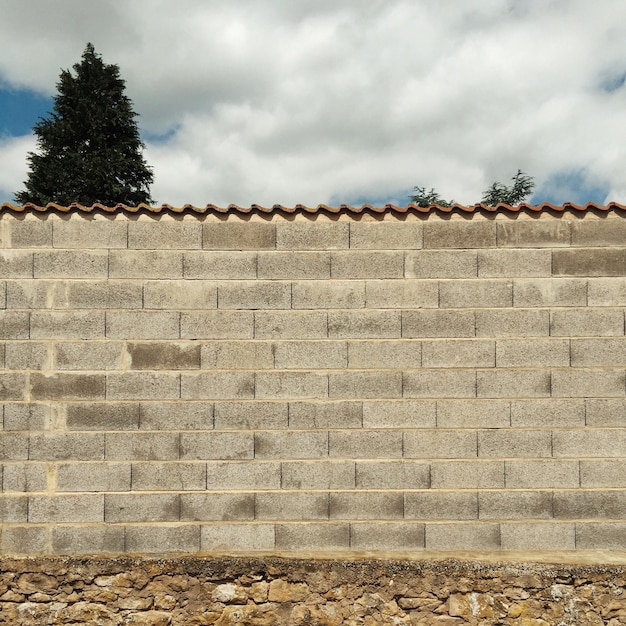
<point x="31" y="232"/>
<point x="163" y="235"/>
<point x="458" y="353"/>
<point x="24" y="477"/>
<point x="308" y="235"/>
<point x="392" y="475"/>
<point x="87" y="355"/>
<point x="242" y="475"/>
<point x="16" y="264"/>
<point x="253" y="415"/>
<point x="365" y="444"/>
<point x="439" y="323"/>
<point x="310" y="354"/>
<point x="313" y="536"/>
<point x="441" y="264"/>
<point x="238" y="235"/>
<point x="13" y="446"/>
<point x="598" y="412"/>
<point x="219" y="265"/>
<point x="534" y="234"/>
<point x="217" y="325"/>
<point x="143" y="324"/>
<point x="579" y="262"/>
<point x="245" y="537"/>
<point x="601" y="536"/>
<point x="512" y="323"/>
<point x="293" y="265"/>
<point x="97" y="232"/>
<point x="384" y="354"/>
<point x="87" y="539"/>
<point x="172" y="476"/>
<point x="606" y="291"/>
<point x="55" y="509"/>
<point x="93" y="477"/>
<point x="548" y="292"/>
<point x="65" y="386"/>
<point x="290" y="445"/>
<point x="13" y="509"/>
<point x="444" y="383"/>
<point x="441" y="505"/>
<point x="13" y="386"/>
<point x="532" y="352"/>
<point x="475" y="293"/>
<point x="467" y="474"/>
<point x="186" y="415"/>
<point x="514" y="443"/>
<point x="158" y="446"/>
<point x="547" y="413"/>
<point x="399" y="414"/>
<point x="217" y="445"/>
<point x="71" y="264"/>
<point x="258" y="294"/>
<point x="573" y="383"/>
<point x="159" y="539"/>
<point x="541" y="474"/>
<point x="602" y="233"/>
<point x="71" y="325"/>
<point x="587" y="322"/>
<point x="460" y="234"/>
<point x="102" y="416"/>
<point x="473" y="413"/>
<point x="291" y="385"/>
<point x="26" y="416"/>
<point x="30" y="294"/>
<point x="510" y="383"/>
<point x="463" y="536"/>
<point x="209" y="507"/>
<point x="323" y="475"/>
<point x="217" y="386"/>
<point x="538" y="536"/>
<point x="328" y="294"/>
<point x="142" y="385"/>
<point x="402" y="294"/>
<point x="354" y="264"/>
<point x="387" y="536"/>
<point x="145" y="264"/>
<point x="510" y="263"/>
<point x="589" y="442"/>
<point x="386" y="235"/>
<point x="440" y="444"/>
<point x="594" y="473"/>
<point x="290" y="324"/>
<point x="500" y="505"/>
<point x="365" y="384"/>
<point x="581" y="504"/>
<point x="64" y="446"/>
<point x="163" y="355"/>
<point x="27" y="355"/>
<point x="364" y="324"/>
<point x="351" y="505"/>
<point x="179" y="294"/>
<point x="141" y="507"/>
<point x="291" y="505"/>
<point x="99" y="294"/>
<point x="324" y="415"/>
<point x="603" y="352"/>
<point x="24" y="539"/>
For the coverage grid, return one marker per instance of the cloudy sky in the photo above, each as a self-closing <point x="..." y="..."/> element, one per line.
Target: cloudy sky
<point x="339" y="101"/>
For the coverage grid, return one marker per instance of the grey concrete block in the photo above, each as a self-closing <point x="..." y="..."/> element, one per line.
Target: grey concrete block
<point x="387" y="536"/>
<point x="61" y="446"/>
<point x="218" y="507"/>
<point x="142" y="385"/>
<point x="458" y="353"/>
<point x="26" y="355"/>
<point x="290" y="324"/>
<point x="157" y="446"/>
<point x="313" y="536"/>
<point x="354" y="264"/>
<point x="401" y="474"/>
<point x="141" y="507"/>
<point x="402" y="294"/>
<point x="480" y="293"/>
<point x="309" y="235"/>
<point x="606" y="291"/>
<point x="179" y="294"/>
<point x="102" y="416"/>
<point x="459" y="234"/>
<point x="24" y="540"/>
<point x="217" y="445"/>
<point x="290" y="445"/>
<point x="442" y="383"/>
<point x="441" y="505"/>
<point x="572" y="383"/>
<point x="595" y="473"/>
<point x="365" y="384"/>
<point x="379" y="505"/>
<point x="99" y="294"/>
<point x="509" y="383"/>
<point x="399" y="414"/>
<point x="548" y="292"/>
<point x="217" y="325"/>
<point x="162" y="539"/>
<point x="242" y="475"/>
<point x="238" y="235"/>
<point x="441" y="264"/>
<point x="473" y="413"/>
<point x="293" y="265"/>
<point x="547" y="413"/>
<point x="88" y="355"/>
<point x="186" y="415"/>
<point x="587" y="322"/>
<point x="542" y="474"/>
<point x="96" y="232"/>
<point x="291" y="385"/>
<point x="71" y="264"/>
<point x="163" y="355"/>
<point x="310" y="354"/>
<point x="603" y="233"/>
<point x="440" y="444"/>
<point x="150" y="234"/>
<point x="324" y="415"/>
<point x="145" y="264"/>
<point x="511" y="263"/>
<point x="537" y="536"/>
<point x="583" y="504"/>
<point x="384" y="354"/>
<point x="467" y="474"/>
<point x="93" y="477"/>
<point x="598" y="412"/>
<point x="602" y="352"/>
<point x="580" y="262"/>
<point x="16" y="264"/>
<point x="501" y="443"/>
<point x="24" y="477"/>
<point x="463" y="536"/>
<point x="319" y="474"/>
<point x="501" y="505"/>
<point x="66" y="386"/>
<point x="512" y="323"/>
<point x="589" y="442"/>
<point x="61" y="325"/>
<point x="601" y="536"/>
<point x="201" y="264"/>
<point x="217" y="385"/>
<point x="171" y="476"/>
<point x="532" y="352"/>
<point x="26" y="416"/>
<point x="30" y="294"/>
<point x="439" y="323"/>
<point x="261" y="294"/>
<point x="534" y="234"/>
<point x="245" y="537"/>
<point x="143" y="324"/>
<point x="291" y="505"/>
<point x="13" y="386"/>
<point x="13" y="509"/>
<point x="87" y="539"/>
<point x="54" y="509"/>
<point x="365" y="444"/>
<point x="364" y="324"/>
<point x="31" y="231"/>
<point x="14" y="446"/>
<point x="328" y="294"/>
<point x="386" y="235"/>
<point x="254" y="415"/>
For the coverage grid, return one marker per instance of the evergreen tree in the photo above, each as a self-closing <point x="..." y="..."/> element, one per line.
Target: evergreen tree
<point x="89" y="146"/>
<point x="522" y="187"/>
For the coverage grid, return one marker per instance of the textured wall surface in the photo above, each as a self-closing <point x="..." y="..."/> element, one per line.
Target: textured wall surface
<point x="196" y="384"/>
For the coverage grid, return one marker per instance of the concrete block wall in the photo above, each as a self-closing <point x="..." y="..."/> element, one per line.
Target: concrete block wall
<point x="278" y="383"/>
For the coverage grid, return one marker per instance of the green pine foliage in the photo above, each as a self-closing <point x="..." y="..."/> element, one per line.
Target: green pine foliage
<point x="89" y="150"/>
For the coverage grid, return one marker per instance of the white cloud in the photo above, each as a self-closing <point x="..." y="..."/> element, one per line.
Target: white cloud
<point x="13" y="167"/>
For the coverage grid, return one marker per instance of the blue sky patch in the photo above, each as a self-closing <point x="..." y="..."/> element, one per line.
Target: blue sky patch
<point x="20" y="110"/>
<point x="570" y="186"/>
